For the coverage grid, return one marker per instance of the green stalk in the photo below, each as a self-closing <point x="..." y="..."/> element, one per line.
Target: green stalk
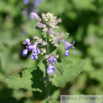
<point x="48" y="83"/>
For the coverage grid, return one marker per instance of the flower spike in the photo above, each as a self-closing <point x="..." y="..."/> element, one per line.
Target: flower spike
<point x="46" y="23"/>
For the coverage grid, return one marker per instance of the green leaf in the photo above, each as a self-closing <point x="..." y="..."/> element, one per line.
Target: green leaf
<point x="66" y="71"/>
<point x="29" y="78"/>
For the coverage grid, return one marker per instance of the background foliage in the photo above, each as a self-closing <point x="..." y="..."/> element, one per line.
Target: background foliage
<point x="83" y="19"/>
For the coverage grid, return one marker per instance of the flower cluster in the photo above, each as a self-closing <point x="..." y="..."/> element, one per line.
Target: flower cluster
<point x="33" y="48"/>
<point x="52" y="61"/>
<point x="46" y="23"/>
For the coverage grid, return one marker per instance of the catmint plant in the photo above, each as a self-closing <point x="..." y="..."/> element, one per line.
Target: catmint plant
<point x="46" y="24"/>
<point x="52" y="71"/>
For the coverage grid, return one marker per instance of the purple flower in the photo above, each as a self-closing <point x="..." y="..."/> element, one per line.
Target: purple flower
<point x="35" y="51"/>
<point x="27" y="41"/>
<point x="35" y="16"/>
<point x="67" y="46"/>
<point x="34" y="54"/>
<point x="31" y="47"/>
<point x="52" y="61"/>
<point x="50" y="69"/>
<point x="25" y="2"/>
<point x="67" y="53"/>
<point x="25" y="52"/>
<point x="33" y="10"/>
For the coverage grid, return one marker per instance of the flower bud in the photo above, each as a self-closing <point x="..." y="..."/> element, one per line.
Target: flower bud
<point x="58" y="21"/>
<point x="41" y="25"/>
<point x="35" y="16"/>
<point x="45" y="30"/>
<point x="50" y="69"/>
<point x="44" y="17"/>
<point x="25" y="52"/>
<point x="35" y="37"/>
<point x="51" y="32"/>
<point x="27" y="41"/>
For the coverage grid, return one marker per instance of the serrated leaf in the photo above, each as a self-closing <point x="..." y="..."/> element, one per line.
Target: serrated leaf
<point x="29" y="78"/>
<point x="66" y="71"/>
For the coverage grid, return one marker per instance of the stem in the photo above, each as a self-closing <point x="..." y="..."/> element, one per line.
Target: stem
<point x="48" y="46"/>
<point x="48" y="84"/>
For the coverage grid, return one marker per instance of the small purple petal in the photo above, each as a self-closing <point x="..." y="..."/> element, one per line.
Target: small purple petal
<point x="67" y="53"/>
<point x="27" y="41"/>
<point x="32" y="47"/>
<point x="68" y="45"/>
<point x="52" y="60"/>
<point x="38" y="51"/>
<point x="24" y="53"/>
<point x="50" y="69"/>
<point x="34" y="56"/>
<point x="73" y="42"/>
<point x="29" y="47"/>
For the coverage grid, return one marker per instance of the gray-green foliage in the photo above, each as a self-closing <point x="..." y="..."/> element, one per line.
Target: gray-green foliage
<point x="29" y="78"/>
<point x="66" y="71"/>
<point x="32" y="78"/>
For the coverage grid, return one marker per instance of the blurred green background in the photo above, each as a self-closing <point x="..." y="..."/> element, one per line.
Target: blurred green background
<point x="83" y="19"/>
